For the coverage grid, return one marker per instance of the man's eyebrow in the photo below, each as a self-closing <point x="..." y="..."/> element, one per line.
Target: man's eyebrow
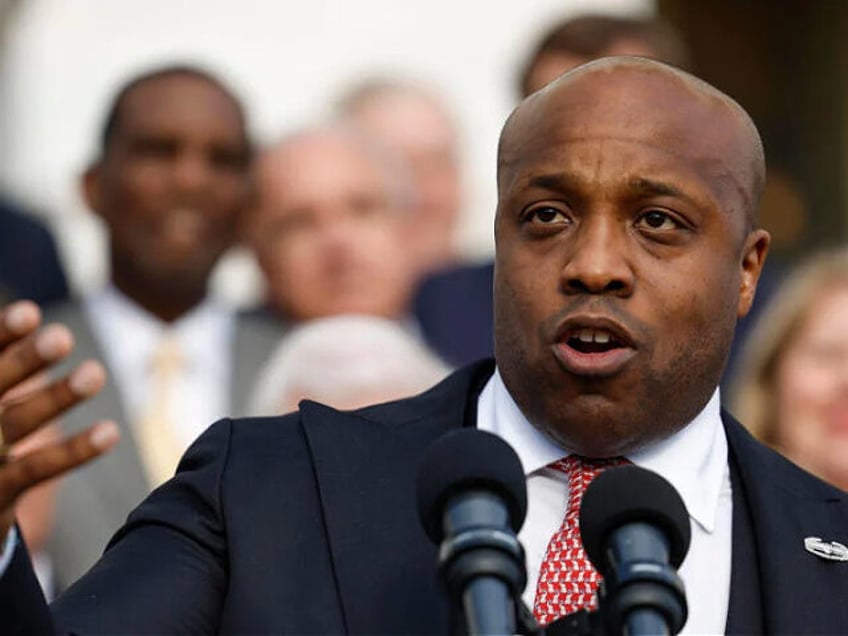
<point x="657" y="188"/>
<point x="638" y="186"/>
<point x="549" y="182"/>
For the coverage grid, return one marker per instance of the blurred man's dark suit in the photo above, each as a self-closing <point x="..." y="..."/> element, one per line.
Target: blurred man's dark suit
<point x="29" y="261"/>
<point x="454" y="309"/>
<point x="307" y="523"/>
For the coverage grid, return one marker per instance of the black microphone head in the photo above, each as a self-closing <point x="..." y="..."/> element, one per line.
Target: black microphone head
<point x="631" y="494"/>
<point x="463" y="460"/>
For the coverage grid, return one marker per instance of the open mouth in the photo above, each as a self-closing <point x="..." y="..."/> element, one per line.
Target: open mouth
<point x="588" y="340"/>
<point x="597" y="351"/>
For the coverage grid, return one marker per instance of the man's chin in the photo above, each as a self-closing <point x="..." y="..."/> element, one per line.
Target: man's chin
<point x="591" y="436"/>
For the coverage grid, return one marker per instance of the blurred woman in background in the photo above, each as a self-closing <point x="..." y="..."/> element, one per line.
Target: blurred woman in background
<point x="792" y="390"/>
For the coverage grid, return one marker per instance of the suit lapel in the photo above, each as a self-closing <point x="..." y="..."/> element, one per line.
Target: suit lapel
<point x="786" y="505"/>
<point x="384" y="564"/>
<point x="745" y="609"/>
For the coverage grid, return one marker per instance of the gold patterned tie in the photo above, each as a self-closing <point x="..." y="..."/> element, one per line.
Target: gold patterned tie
<point x="158" y="444"/>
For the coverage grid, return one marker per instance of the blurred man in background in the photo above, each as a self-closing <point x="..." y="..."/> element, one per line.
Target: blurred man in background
<point x="579" y="40"/>
<point x="171" y="184"/>
<point x="412" y="121"/>
<point x="329" y="228"/>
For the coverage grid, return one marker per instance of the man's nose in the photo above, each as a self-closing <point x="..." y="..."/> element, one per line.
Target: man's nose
<point x="598" y="259"/>
<point x="192" y="172"/>
<point x="340" y="237"/>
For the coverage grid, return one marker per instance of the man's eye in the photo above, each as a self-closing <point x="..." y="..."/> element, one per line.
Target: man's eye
<point x="658" y="220"/>
<point x="547" y="215"/>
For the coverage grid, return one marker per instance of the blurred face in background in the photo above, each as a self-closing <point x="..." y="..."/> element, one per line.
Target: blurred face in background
<point x="812" y="390"/>
<point x="172" y="182"/>
<point x="550" y="65"/>
<point x="328" y="230"/>
<point x="420" y="133"/>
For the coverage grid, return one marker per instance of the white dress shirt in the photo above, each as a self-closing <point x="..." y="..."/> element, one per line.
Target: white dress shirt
<point x="128" y="335"/>
<point x="694" y="461"/>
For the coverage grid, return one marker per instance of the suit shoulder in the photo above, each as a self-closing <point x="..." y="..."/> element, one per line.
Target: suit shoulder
<point x="259" y="323"/>
<point x="462" y="279"/>
<point x="251" y="438"/>
<point x="66" y="311"/>
<point x="455" y="397"/>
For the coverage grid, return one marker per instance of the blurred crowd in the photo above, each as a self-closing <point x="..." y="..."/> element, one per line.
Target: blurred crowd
<point x="352" y="221"/>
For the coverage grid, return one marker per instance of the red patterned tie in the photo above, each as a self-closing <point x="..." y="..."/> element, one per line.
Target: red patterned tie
<point x="567" y="580"/>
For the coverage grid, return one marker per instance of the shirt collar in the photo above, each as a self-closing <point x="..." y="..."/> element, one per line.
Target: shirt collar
<point x="693" y="460"/>
<point x="114" y="315"/>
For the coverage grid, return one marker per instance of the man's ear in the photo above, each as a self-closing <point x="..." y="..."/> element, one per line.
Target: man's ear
<point x="90" y="187"/>
<point x="753" y="256"/>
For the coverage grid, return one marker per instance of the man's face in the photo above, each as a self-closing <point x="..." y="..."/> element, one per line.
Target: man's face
<point x="172" y="182"/>
<point x="327" y="231"/>
<point x="622" y="258"/>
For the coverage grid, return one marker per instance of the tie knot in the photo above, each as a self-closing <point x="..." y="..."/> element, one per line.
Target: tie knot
<point x="166" y="357"/>
<point x="577" y="464"/>
<point x="582" y="470"/>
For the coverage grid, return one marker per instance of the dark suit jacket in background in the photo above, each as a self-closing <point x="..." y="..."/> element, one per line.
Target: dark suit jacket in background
<point x="95" y="501"/>
<point x="29" y="262"/>
<point x="307" y="523"/>
<point x="454" y="309"/>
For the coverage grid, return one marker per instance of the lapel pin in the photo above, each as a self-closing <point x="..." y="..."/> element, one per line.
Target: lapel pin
<point x="832" y="551"/>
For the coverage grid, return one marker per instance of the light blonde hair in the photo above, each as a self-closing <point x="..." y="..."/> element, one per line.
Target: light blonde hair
<point x="754" y="397"/>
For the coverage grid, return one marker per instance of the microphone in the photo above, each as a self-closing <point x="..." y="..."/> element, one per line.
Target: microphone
<point x="635" y="530"/>
<point x="472" y="500"/>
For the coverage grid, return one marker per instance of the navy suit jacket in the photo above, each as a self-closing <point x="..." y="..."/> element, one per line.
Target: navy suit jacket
<point x="307" y="524"/>
<point x="454" y="309"/>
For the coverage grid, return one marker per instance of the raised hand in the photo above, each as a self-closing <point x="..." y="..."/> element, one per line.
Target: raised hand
<point x="26" y="351"/>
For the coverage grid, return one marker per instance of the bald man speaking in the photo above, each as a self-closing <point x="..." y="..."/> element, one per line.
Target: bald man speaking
<point x="627" y="248"/>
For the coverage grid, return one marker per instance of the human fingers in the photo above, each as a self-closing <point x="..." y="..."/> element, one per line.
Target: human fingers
<point x="24" y="415"/>
<point x="18" y="474"/>
<point x="26" y="356"/>
<point x="17" y="320"/>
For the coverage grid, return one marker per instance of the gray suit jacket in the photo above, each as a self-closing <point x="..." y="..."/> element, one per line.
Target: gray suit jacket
<point x="95" y="501"/>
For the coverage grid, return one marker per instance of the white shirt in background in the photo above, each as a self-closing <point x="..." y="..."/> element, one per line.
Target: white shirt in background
<point x="128" y="335"/>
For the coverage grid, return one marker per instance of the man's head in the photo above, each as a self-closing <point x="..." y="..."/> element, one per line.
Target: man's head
<point x="416" y="126"/>
<point x="170" y="183"/>
<point x="625" y="250"/>
<point x="328" y="227"/>
<point x="589" y="37"/>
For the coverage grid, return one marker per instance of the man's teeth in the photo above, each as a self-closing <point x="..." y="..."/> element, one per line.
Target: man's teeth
<point x="594" y="335"/>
